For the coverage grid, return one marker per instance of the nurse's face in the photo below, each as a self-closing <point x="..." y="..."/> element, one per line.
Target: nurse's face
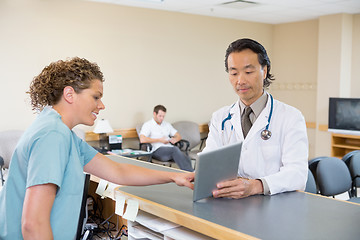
<point x="246" y="75"/>
<point x="89" y="104"/>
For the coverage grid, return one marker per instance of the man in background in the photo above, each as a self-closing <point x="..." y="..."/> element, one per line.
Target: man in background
<point x="162" y="136"/>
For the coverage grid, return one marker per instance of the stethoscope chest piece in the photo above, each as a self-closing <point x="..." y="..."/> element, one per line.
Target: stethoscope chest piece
<point x="265" y="134"/>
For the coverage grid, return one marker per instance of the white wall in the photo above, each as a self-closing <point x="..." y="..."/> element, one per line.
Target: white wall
<point x="295" y="67"/>
<point x="334" y="70"/>
<point x="148" y="57"/>
<point x="355" y="67"/>
<point x="153" y="57"/>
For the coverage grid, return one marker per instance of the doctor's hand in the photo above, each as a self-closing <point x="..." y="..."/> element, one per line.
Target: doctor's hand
<point x="238" y="188"/>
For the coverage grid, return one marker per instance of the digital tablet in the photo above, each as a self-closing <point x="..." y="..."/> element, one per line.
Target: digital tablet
<point x="215" y="166"/>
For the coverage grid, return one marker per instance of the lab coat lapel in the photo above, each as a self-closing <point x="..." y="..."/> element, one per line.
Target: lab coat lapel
<point x="236" y="121"/>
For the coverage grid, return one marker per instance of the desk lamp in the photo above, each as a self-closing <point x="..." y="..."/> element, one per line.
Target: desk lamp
<point x="103" y="127"/>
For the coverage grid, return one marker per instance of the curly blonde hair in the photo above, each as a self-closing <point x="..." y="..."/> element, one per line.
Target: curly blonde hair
<point x="47" y="88"/>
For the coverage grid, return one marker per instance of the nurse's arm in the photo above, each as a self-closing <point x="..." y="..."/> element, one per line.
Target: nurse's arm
<point x="127" y="174"/>
<point x="35" y="219"/>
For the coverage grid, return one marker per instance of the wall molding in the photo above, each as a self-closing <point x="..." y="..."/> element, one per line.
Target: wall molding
<point x="299" y="86"/>
<point x="203" y="128"/>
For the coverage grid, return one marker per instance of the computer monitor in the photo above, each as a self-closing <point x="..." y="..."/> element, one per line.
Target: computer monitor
<point x="344" y="115"/>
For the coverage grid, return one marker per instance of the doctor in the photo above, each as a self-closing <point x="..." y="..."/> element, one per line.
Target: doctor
<point x="275" y="146"/>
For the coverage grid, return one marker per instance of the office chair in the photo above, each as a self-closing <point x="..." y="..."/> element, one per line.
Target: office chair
<point x="182" y="144"/>
<point x="353" y="163"/>
<point x="1" y="170"/>
<point x="8" y="141"/>
<point x="312" y="163"/>
<point x="346" y="157"/>
<point x="190" y="132"/>
<point x="333" y="178"/>
<point x="310" y="183"/>
<point x="83" y="211"/>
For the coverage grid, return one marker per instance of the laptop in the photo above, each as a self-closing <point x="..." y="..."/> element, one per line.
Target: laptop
<point x="215" y="166"/>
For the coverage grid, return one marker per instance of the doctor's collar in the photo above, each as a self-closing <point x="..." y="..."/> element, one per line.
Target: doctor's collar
<point x="257" y="106"/>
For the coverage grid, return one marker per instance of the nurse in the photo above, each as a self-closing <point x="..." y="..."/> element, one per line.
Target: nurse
<point x="42" y="196"/>
<point x="275" y="146"/>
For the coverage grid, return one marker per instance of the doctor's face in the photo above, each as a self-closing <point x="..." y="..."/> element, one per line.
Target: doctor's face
<point x="246" y="75"/>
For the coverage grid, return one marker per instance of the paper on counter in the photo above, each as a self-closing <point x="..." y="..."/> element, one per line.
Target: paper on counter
<point x="101" y="187"/>
<point x="131" y="210"/>
<point x="154" y="223"/>
<point x="110" y="190"/>
<point x="120" y="203"/>
<point x="140" y="232"/>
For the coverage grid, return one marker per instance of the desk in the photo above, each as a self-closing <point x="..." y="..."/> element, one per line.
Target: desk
<point x="132" y="153"/>
<point x="293" y="215"/>
<point x="108" y="203"/>
<point x="131" y="133"/>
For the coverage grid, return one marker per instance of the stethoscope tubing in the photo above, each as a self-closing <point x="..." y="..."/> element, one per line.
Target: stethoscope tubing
<point x="271" y="111"/>
<point x="266" y="133"/>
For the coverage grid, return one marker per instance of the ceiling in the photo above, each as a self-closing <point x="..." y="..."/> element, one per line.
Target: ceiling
<point x="263" y="11"/>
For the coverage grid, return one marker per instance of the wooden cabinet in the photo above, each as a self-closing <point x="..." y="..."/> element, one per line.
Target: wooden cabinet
<point x="342" y="144"/>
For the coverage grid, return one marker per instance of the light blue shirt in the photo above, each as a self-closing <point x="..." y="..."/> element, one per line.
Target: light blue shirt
<point x="48" y="152"/>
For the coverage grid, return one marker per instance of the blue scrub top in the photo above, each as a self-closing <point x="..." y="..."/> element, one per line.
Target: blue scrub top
<point x="48" y="152"/>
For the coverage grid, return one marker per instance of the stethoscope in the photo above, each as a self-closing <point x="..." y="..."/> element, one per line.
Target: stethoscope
<point x="265" y="134"/>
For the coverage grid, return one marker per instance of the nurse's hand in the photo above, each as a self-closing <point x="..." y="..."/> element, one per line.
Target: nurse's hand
<point x="184" y="179"/>
<point x="238" y="188"/>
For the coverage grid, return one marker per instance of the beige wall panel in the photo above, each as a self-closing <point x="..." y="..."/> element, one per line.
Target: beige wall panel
<point x="335" y="34"/>
<point x="355" y="67"/>
<point x="295" y="65"/>
<point x="148" y="57"/>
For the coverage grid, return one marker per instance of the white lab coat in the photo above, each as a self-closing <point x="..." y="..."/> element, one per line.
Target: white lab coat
<point x="281" y="160"/>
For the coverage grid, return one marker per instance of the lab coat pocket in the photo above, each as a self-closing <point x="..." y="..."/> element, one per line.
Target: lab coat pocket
<point x="271" y="156"/>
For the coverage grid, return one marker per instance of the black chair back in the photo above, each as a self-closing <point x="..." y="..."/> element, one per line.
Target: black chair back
<point x="333" y="176"/>
<point x="83" y="213"/>
<point x="310" y="183"/>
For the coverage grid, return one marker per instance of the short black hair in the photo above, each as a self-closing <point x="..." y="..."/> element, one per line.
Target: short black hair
<point x="247" y="43"/>
<point x="157" y="108"/>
